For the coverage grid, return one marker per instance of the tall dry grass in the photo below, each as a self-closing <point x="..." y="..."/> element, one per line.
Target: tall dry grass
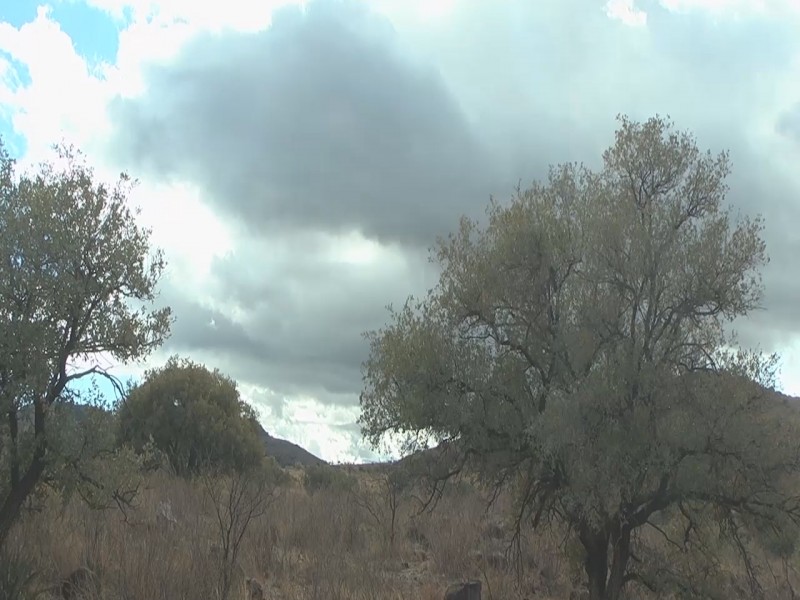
<point x="306" y="546"/>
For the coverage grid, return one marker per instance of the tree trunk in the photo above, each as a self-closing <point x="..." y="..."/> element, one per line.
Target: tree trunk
<point x="605" y="582"/>
<point x="23" y="487"/>
<point x="595" y="543"/>
<point x="15" y="499"/>
<point x="621" y="552"/>
<point x="13" y="451"/>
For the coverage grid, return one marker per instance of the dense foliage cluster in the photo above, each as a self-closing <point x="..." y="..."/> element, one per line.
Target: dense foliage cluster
<point x="76" y="279"/>
<point x="194" y="416"/>
<point x="577" y="346"/>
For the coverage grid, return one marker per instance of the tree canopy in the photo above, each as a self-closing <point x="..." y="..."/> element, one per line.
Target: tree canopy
<point x="578" y="345"/>
<point x="194" y="416"/>
<point x="77" y="278"/>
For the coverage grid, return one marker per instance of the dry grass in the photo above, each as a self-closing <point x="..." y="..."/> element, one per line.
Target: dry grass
<point x="309" y="547"/>
<point x="306" y="547"/>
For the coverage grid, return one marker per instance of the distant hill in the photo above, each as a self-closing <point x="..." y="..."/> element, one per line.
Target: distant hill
<point x="286" y="453"/>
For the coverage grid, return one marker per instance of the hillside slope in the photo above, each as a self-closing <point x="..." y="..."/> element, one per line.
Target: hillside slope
<point x="286" y="453"/>
<point x="283" y="451"/>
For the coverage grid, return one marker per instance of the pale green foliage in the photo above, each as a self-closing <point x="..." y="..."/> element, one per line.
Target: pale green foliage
<point x="577" y="343"/>
<point x="76" y="281"/>
<point x="73" y="259"/>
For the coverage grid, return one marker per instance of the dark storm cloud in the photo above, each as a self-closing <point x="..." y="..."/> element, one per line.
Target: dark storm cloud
<point x="758" y="188"/>
<point x="563" y="70"/>
<point x="282" y="352"/>
<point x="322" y="123"/>
<point x="316" y="122"/>
<point x="299" y="321"/>
<point x="789" y="125"/>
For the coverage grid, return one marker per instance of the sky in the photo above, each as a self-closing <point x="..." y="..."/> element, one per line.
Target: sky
<point x="298" y="159"/>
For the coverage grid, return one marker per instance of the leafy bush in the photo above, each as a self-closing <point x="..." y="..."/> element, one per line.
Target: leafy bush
<point x="319" y="478"/>
<point x="194" y="416"/>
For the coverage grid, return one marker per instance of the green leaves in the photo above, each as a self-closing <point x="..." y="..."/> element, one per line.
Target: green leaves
<point x="77" y="278"/>
<point x="194" y="416"/>
<point x="86" y="460"/>
<point x="578" y="339"/>
<point x="74" y="262"/>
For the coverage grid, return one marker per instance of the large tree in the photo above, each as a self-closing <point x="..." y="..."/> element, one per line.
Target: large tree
<point x="194" y="416"/>
<point x="77" y="276"/>
<point x="577" y="345"/>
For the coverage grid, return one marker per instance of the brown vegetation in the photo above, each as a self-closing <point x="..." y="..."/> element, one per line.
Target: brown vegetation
<point x="311" y="546"/>
<point x="306" y="546"/>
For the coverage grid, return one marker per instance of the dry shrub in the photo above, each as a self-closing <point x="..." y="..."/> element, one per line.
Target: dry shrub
<point x="312" y="546"/>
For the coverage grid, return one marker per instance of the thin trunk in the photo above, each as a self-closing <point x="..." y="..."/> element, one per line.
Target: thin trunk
<point x="392" y="526"/>
<point x="621" y="552"/>
<point x="13" y="428"/>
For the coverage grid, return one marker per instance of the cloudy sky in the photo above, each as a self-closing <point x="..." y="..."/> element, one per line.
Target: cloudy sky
<point x="297" y="159"/>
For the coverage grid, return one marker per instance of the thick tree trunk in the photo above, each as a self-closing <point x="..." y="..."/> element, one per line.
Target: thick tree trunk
<point x="595" y="543"/>
<point x="22" y="487"/>
<point x="605" y="582"/>
<point x="15" y="499"/>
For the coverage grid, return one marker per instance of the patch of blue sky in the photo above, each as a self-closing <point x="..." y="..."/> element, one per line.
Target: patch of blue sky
<point x="13" y="142"/>
<point x="18" y="12"/>
<point x="13" y="76"/>
<point x="95" y="37"/>
<point x="93" y="387"/>
<point x="94" y="33"/>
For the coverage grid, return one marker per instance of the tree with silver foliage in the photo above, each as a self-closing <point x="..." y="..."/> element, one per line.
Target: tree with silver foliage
<point x="578" y="346"/>
<point x="76" y="278"/>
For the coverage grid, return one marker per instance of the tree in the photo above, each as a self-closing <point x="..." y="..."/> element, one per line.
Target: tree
<point x="194" y="416"/>
<point x="237" y="500"/>
<point x="577" y="345"/>
<point x="382" y="494"/>
<point x="87" y="460"/>
<point x="76" y="278"/>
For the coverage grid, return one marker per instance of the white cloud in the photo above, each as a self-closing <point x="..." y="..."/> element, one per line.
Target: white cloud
<point x="239" y="15"/>
<point x="419" y="11"/>
<point x="65" y="98"/>
<point x="190" y="234"/>
<point x="734" y="8"/>
<point x="789" y="370"/>
<point x="323" y="429"/>
<point x="626" y="12"/>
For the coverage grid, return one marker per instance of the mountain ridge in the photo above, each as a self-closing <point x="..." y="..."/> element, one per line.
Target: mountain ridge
<point x="285" y="453"/>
